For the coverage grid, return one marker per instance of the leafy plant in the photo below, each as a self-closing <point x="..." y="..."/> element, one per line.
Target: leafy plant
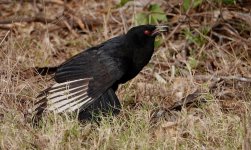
<point x="191" y="4"/>
<point x="193" y="63"/>
<point x="230" y="2"/>
<point x="196" y="38"/>
<point x="153" y="15"/>
<point x="227" y="2"/>
<point x="123" y="2"/>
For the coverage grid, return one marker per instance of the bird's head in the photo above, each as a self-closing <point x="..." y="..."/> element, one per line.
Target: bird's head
<point x="145" y="34"/>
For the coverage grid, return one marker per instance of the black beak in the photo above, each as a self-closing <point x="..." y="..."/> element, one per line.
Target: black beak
<point x="159" y="29"/>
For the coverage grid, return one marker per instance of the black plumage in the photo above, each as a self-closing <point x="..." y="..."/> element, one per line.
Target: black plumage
<point x="87" y="82"/>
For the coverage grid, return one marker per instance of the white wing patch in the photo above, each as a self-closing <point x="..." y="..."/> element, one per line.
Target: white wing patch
<point x="66" y="97"/>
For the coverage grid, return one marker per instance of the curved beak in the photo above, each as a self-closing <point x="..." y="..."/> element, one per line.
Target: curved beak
<point x="159" y="29"/>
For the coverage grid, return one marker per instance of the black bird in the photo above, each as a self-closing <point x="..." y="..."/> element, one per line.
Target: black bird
<point x="87" y="82"/>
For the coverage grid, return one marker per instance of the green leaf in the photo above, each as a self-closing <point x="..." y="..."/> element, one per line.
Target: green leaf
<point x="141" y="18"/>
<point x="193" y="63"/>
<point x="158" y="42"/>
<point x="153" y="16"/>
<point x="152" y="20"/>
<point x="159" y="17"/>
<point x="195" y="37"/>
<point x="156" y="14"/>
<point x="155" y="8"/>
<point x="197" y="3"/>
<point x="186" y="4"/>
<point x="123" y="2"/>
<point x="229" y="2"/>
<point x="191" y="3"/>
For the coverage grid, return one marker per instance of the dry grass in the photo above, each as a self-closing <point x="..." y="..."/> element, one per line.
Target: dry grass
<point x="200" y="48"/>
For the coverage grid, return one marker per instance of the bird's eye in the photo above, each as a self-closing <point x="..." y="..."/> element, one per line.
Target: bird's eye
<point x="147" y="32"/>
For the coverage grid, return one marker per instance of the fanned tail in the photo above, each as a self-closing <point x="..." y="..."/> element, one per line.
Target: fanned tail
<point x="107" y="104"/>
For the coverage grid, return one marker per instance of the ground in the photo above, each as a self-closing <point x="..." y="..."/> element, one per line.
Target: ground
<point x="194" y="94"/>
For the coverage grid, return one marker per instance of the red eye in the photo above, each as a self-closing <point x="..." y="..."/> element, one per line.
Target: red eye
<point x="147" y="32"/>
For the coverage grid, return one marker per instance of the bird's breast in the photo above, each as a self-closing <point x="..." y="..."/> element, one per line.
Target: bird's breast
<point x="136" y="64"/>
<point x="142" y="56"/>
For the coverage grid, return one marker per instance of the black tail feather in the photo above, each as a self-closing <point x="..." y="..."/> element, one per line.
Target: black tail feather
<point x="107" y="104"/>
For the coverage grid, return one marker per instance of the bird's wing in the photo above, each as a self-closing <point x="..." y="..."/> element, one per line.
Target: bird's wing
<point x="80" y="81"/>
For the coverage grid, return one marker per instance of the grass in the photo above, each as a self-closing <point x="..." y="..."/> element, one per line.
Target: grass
<point x="223" y="122"/>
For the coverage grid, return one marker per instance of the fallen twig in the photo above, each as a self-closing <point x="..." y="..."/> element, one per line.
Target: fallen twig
<point x="4" y="37"/>
<point x="218" y="78"/>
<point x="26" y="19"/>
<point x="6" y="27"/>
